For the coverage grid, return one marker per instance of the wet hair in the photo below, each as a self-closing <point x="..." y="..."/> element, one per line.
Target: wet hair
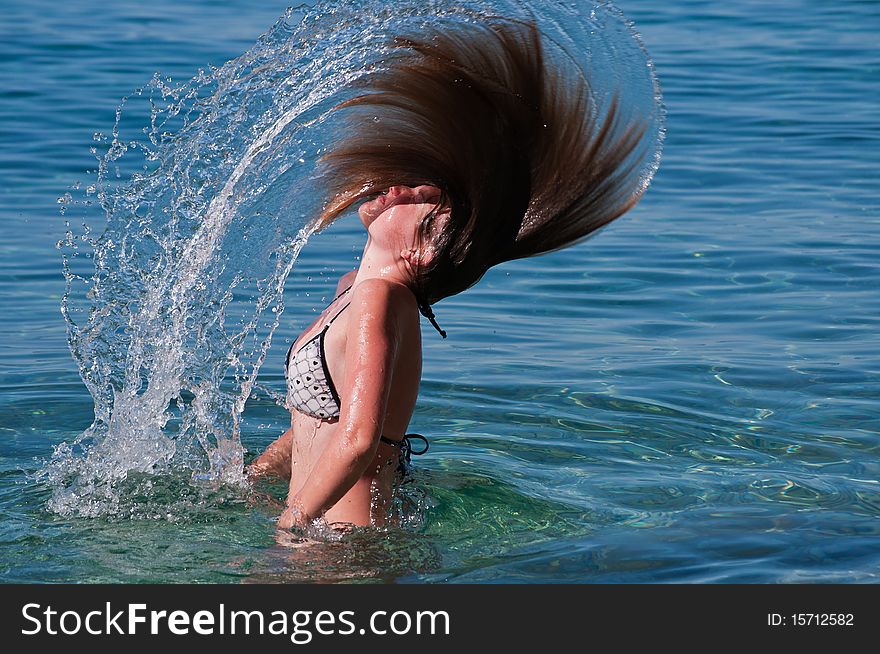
<point x="517" y="147"/>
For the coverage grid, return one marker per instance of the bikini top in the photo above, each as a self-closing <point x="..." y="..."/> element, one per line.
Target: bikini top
<point x="310" y="388"/>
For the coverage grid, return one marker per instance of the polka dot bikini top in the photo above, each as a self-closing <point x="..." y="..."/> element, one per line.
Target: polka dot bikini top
<point x="310" y="388"/>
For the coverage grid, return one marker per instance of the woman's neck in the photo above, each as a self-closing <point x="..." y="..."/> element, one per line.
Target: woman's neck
<point x="379" y="263"/>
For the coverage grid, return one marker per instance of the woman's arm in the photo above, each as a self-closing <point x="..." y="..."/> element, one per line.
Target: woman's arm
<point x="275" y="460"/>
<point x="373" y="341"/>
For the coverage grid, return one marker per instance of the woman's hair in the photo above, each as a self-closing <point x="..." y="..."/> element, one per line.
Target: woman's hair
<point x="517" y="148"/>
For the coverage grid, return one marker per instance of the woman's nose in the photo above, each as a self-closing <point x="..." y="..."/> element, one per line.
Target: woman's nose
<point x="423" y="192"/>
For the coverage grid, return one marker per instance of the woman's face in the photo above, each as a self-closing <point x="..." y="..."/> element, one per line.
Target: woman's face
<point x="394" y="217"/>
<point x="396" y="196"/>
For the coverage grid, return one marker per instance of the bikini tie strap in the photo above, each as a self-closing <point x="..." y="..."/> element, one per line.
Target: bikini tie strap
<point x="426" y="311"/>
<point x="406" y="446"/>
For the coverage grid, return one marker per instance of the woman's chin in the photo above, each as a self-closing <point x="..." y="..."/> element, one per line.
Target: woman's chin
<point x="367" y="214"/>
<point x="365" y="217"/>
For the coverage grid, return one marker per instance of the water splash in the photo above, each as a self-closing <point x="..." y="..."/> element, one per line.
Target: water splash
<point x="204" y="196"/>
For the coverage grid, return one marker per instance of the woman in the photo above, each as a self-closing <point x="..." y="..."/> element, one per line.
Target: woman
<point x="474" y="151"/>
<point x="353" y="388"/>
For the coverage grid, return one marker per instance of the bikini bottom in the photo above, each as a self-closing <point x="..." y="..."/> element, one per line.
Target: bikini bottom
<point x="406" y="448"/>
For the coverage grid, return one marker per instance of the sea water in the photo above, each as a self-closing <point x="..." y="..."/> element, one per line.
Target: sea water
<point x="689" y="396"/>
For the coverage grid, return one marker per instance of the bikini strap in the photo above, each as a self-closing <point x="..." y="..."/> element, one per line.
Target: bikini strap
<point x="425" y="310"/>
<point x="405" y="444"/>
<point x="330" y="322"/>
<point x="341" y="294"/>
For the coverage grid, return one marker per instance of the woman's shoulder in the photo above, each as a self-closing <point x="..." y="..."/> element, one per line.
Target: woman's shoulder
<point x="385" y="321"/>
<point x="384" y="291"/>
<point x="382" y="297"/>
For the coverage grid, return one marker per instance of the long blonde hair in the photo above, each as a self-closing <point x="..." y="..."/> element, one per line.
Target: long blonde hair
<point x="515" y="145"/>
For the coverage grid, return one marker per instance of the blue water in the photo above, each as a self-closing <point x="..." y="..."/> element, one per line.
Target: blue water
<point x="691" y="396"/>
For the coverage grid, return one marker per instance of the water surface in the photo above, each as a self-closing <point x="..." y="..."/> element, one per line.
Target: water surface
<point x="690" y="396"/>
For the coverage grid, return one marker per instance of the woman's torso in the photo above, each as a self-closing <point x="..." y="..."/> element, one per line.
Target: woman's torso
<point x="366" y="501"/>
